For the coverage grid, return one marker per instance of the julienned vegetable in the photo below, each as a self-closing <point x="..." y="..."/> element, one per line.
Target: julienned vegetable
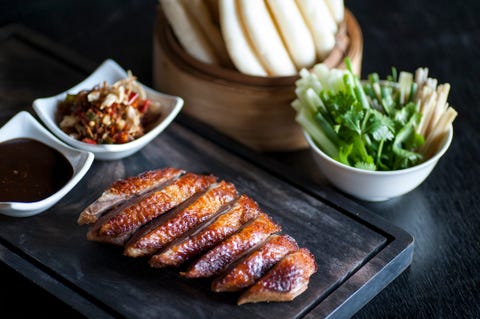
<point x="373" y="124"/>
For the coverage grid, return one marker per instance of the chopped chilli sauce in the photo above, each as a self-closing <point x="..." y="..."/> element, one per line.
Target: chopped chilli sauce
<point x="108" y="114"/>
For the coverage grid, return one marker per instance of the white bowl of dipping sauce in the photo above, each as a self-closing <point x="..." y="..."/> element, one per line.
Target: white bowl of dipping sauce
<point x="36" y="169"/>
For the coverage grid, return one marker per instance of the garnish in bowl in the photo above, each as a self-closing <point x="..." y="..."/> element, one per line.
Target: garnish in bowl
<point x="108" y="114"/>
<point x="384" y="125"/>
<point x="374" y="139"/>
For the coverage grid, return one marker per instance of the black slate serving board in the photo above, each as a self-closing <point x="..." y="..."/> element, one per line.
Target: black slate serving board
<point x="357" y="253"/>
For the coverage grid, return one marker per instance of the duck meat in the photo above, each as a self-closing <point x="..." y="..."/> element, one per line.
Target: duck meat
<point x="242" y="211"/>
<point x="285" y="281"/>
<point x="253" y="266"/>
<point x="219" y="257"/>
<point x="125" y="189"/>
<point x="157" y="235"/>
<point x="118" y="225"/>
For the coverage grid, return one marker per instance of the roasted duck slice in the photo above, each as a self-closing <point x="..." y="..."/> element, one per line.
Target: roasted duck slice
<point x="242" y="211"/>
<point x="219" y="257"/>
<point x="253" y="266"/>
<point x="160" y="232"/>
<point x="118" y="225"/>
<point x="285" y="281"/>
<point x="125" y="189"/>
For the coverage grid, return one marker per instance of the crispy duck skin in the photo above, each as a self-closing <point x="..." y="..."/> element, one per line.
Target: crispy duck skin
<point x="219" y="257"/>
<point x="285" y="281"/>
<point x="157" y="235"/>
<point x="242" y="211"/>
<point x="246" y="272"/>
<point x="117" y="226"/>
<point x="124" y="189"/>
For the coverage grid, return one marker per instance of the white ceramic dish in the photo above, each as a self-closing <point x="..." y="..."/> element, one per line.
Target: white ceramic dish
<point x="24" y="125"/>
<point x="110" y="72"/>
<point x="375" y="185"/>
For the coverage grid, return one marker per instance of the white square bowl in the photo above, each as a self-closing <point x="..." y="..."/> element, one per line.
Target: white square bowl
<point x="110" y="72"/>
<point x="24" y="125"/>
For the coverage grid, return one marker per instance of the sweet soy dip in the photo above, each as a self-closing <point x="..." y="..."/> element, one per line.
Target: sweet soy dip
<point x="31" y="171"/>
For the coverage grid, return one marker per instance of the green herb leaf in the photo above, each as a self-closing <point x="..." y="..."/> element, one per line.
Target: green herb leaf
<point x="369" y="125"/>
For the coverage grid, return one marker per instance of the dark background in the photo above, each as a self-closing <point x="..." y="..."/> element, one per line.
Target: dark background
<point x="442" y="214"/>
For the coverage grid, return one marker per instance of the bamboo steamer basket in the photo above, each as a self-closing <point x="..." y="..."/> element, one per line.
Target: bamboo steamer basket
<point x="253" y="110"/>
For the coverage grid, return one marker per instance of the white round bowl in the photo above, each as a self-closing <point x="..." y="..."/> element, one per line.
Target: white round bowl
<point x="375" y="185"/>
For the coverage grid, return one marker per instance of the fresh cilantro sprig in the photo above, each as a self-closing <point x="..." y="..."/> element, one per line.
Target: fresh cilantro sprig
<point x="365" y="124"/>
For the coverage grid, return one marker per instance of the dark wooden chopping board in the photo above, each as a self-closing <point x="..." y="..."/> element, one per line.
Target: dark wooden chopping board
<point x="357" y="253"/>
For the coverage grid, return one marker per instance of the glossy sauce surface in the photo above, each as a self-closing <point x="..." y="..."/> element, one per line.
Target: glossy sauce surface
<point x="31" y="171"/>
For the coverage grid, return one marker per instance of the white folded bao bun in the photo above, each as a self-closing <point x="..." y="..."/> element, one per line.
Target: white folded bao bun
<point x="337" y="9"/>
<point x="294" y="31"/>
<point x="265" y="38"/>
<point x="319" y="22"/>
<point x="199" y="11"/>
<point x="238" y="46"/>
<point x="188" y="32"/>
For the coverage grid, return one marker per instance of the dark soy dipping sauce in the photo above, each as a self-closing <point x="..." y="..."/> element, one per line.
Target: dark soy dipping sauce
<point x="31" y="171"/>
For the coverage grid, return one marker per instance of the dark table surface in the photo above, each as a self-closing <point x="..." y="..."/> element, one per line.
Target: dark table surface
<point x="442" y="214"/>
